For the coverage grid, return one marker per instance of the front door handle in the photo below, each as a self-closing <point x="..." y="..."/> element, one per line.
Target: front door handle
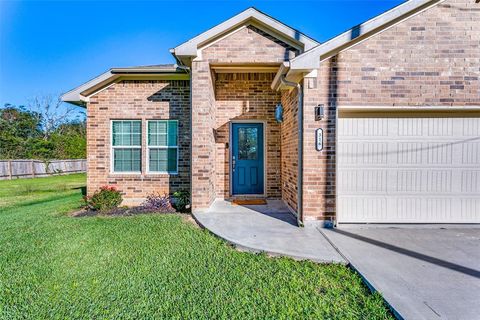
<point x="233" y="163"/>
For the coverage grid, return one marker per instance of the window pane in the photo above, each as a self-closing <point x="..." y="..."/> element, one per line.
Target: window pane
<point x="117" y="127"/>
<point x="247" y="143"/>
<point x="126" y="160"/>
<point x="172" y="133"/>
<point x="136" y="127"/>
<point x="126" y="133"/>
<point x="158" y="160"/>
<point x="158" y="140"/>
<point x="172" y="159"/>
<point x="163" y="160"/>
<point x="162" y="133"/>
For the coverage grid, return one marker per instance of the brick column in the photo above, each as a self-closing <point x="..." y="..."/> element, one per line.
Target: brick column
<point x="319" y="166"/>
<point x="203" y="139"/>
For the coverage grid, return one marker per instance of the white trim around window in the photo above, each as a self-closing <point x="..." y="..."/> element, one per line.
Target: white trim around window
<point x="166" y="147"/>
<point x="119" y="147"/>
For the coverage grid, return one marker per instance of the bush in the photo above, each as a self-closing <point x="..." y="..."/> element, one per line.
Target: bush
<point x="181" y="200"/>
<point x="156" y="202"/>
<point x="107" y="198"/>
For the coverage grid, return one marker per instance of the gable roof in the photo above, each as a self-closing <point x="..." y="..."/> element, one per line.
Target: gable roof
<point x="248" y="16"/>
<point x="312" y="52"/>
<point x="79" y="95"/>
<point x="310" y="59"/>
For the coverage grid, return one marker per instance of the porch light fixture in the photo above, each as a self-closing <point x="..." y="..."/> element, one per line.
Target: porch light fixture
<point x="319" y="112"/>
<point x="279" y="113"/>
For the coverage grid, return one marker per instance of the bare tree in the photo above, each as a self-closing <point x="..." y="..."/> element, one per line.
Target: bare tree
<point x="53" y="112"/>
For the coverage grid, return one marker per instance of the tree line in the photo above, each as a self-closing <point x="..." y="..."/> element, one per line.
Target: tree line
<point x="45" y="129"/>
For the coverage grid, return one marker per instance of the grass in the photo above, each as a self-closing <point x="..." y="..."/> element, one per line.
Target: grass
<point x="150" y="266"/>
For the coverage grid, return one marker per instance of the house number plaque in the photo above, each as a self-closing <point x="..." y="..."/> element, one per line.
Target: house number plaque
<point x="319" y="139"/>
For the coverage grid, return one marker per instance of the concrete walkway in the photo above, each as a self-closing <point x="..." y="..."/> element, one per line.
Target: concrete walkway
<point x="423" y="273"/>
<point x="267" y="228"/>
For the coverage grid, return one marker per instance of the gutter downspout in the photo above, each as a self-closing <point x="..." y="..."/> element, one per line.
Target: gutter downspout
<point x="300" y="148"/>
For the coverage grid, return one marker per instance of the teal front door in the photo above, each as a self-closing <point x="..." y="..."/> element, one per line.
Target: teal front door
<point x="247" y="158"/>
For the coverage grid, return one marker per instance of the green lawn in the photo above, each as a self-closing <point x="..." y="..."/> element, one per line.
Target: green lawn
<point x="150" y="266"/>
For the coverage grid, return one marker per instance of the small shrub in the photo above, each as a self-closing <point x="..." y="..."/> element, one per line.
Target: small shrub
<point x="105" y="199"/>
<point x="181" y="200"/>
<point x="156" y="202"/>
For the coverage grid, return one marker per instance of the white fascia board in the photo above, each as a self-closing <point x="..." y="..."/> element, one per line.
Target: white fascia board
<point x="311" y="59"/>
<point x="143" y="70"/>
<point x="80" y="95"/>
<point x="74" y="96"/>
<point x="190" y="47"/>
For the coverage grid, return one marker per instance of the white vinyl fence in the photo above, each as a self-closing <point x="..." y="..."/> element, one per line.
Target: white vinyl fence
<point x="12" y="169"/>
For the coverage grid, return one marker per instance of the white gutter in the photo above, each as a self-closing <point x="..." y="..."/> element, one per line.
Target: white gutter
<point x="277" y="80"/>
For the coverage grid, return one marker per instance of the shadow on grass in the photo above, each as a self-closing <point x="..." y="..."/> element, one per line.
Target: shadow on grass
<point x="83" y="189"/>
<point x="21" y="205"/>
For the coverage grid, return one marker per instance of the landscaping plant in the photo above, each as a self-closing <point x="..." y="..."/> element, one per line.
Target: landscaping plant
<point x="157" y="202"/>
<point x="105" y="199"/>
<point x="181" y="200"/>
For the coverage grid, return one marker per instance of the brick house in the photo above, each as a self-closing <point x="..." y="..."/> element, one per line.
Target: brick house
<point x="380" y="124"/>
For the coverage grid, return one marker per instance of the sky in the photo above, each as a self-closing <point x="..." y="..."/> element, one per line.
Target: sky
<point x="50" y="47"/>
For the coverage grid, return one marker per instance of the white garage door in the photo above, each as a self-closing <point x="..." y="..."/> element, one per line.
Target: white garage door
<point x="408" y="169"/>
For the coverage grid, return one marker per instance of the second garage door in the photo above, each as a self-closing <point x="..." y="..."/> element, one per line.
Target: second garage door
<point x="406" y="168"/>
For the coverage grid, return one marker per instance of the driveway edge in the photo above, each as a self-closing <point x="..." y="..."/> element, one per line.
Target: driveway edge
<point x="396" y="314"/>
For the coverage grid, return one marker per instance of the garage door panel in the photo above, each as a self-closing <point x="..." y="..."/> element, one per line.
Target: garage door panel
<point x="470" y="127"/>
<point x="408" y="209"/>
<point x="471" y="153"/>
<point x="469" y="209"/>
<point x="409" y="170"/>
<point x="367" y="208"/>
<point x="364" y="127"/>
<point x="358" y="153"/>
<point x="368" y="181"/>
<point x="471" y="181"/>
<point x="418" y="127"/>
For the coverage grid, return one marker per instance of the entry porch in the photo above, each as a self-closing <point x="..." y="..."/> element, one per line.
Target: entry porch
<point x="269" y="228"/>
<point x="244" y="139"/>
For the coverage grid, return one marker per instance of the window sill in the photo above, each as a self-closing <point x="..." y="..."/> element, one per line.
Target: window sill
<point x="124" y="174"/>
<point x="141" y="175"/>
<point x="161" y="174"/>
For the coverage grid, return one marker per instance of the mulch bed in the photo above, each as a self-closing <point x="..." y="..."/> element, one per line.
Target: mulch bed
<point x="131" y="211"/>
<point x="119" y="212"/>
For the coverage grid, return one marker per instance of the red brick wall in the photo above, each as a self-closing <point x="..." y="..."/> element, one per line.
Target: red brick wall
<point x="246" y="96"/>
<point x="289" y="147"/>
<point x="138" y="100"/>
<point x="431" y="59"/>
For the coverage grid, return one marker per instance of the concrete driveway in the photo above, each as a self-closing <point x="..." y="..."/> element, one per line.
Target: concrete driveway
<point x="423" y="273"/>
